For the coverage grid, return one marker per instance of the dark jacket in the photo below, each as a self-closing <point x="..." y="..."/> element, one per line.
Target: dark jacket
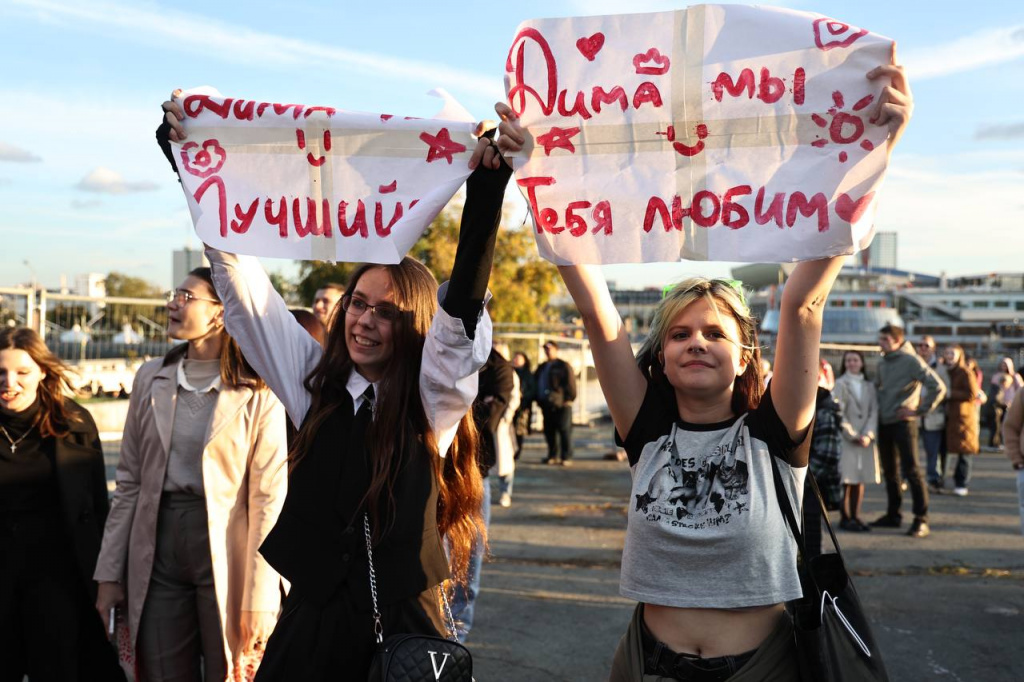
<point x="496" y="385"/>
<point x="556" y="384"/>
<point x="82" y="483"/>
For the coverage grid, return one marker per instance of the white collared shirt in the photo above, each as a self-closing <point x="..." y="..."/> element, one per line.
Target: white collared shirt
<point x="356" y="386"/>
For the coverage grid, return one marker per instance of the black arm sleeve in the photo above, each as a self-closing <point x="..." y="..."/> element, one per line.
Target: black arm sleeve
<point x="163" y="139"/>
<point x="478" y="233"/>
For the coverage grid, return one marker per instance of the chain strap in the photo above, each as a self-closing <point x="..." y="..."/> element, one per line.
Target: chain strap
<point x="378" y="627"/>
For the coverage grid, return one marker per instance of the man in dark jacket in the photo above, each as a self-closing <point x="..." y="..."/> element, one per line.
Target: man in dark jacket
<point x="901" y="402"/>
<point x="556" y="389"/>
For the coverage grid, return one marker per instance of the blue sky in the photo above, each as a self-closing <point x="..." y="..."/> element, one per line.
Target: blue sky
<point x="84" y="188"/>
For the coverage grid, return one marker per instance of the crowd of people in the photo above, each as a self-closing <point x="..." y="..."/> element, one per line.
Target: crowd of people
<point x="292" y="486"/>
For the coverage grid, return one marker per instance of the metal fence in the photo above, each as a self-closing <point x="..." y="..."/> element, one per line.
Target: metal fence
<point x="17" y="308"/>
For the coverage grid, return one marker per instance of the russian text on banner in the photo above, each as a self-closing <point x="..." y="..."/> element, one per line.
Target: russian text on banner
<point x="719" y="132"/>
<point x="312" y="182"/>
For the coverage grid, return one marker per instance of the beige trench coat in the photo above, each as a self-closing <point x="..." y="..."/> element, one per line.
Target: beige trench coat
<point x="858" y="464"/>
<point x="245" y="479"/>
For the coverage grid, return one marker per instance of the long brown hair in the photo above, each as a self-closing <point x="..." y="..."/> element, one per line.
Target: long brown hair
<point x="235" y="370"/>
<point x="721" y="295"/>
<point x="54" y="418"/>
<point x="400" y="425"/>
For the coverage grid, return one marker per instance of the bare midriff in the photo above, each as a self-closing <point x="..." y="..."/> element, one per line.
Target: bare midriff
<point x="710" y="633"/>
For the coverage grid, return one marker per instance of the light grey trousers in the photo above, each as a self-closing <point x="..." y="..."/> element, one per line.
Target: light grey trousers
<point x="180" y="633"/>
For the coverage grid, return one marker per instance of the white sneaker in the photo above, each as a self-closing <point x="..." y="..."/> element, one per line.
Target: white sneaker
<point x="506" y="500"/>
<point x="960" y="492"/>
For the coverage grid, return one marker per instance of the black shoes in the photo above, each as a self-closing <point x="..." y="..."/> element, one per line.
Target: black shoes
<point x="887" y="521"/>
<point x="854" y="525"/>
<point x="919" y="529"/>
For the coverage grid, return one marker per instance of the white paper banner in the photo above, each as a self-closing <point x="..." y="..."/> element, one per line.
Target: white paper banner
<point x="293" y="181"/>
<point x="719" y="132"/>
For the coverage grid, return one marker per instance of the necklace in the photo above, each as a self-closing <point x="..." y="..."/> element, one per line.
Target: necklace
<point x="14" y="443"/>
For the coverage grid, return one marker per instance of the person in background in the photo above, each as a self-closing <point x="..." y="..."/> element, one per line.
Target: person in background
<point x="311" y="323"/>
<point x="1004" y="385"/>
<point x="823" y="459"/>
<point x="200" y="483"/>
<point x="907" y="390"/>
<point x="528" y="390"/>
<point x="858" y="463"/>
<point x="556" y="389"/>
<point x="766" y="371"/>
<point x="496" y="395"/>
<point x="53" y="503"/>
<point x="325" y="302"/>
<point x="933" y="424"/>
<point x="961" y="416"/>
<point x="1013" y="437"/>
<point x="504" y="434"/>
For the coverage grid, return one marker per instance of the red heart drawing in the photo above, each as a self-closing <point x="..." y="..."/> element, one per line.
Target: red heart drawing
<point x="589" y="47"/>
<point x="850" y="210"/>
<point x="835" y="28"/>
<point x="657" y="63"/>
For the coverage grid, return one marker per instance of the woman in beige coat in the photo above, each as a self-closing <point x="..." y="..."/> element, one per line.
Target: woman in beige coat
<point x="961" y="416"/>
<point x="859" y="462"/>
<point x="200" y="483"/>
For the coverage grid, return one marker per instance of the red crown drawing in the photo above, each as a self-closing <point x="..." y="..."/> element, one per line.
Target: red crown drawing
<point x="657" y="63"/>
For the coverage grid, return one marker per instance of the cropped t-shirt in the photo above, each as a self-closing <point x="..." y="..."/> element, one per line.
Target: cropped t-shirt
<point x="704" y="528"/>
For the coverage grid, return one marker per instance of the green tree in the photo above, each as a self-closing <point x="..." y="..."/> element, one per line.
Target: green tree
<point x="120" y="284"/>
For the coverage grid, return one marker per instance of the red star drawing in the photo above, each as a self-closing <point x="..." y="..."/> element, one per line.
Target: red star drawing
<point x="558" y="138"/>
<point x="441" y="146"/>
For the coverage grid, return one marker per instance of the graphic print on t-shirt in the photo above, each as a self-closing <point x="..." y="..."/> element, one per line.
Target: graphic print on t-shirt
<point x="697" y="490"/>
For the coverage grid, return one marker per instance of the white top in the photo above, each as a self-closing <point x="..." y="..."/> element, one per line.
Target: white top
<point x="284" y="354"/>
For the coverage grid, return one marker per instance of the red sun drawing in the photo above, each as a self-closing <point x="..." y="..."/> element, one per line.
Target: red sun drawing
<point x="844" y="128"/>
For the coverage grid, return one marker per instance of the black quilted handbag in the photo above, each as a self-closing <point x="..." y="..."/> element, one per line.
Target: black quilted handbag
<point x="833" y="637"/>
<point x="416" y="658"/>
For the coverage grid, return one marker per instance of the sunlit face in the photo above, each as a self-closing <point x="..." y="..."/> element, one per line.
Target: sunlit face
<point x="324" y="303"/>
<point x="195" y="318"/>
<point x="888" y="343"/>
<point x="701" y="352"/>
<point x="926" y="349"/>
<point x="369" y="339"/>
<point x="853" y="363"/>
<point x="518" y="360"/>
<point x="951" y="355"/>
<point x="19" y="380"/>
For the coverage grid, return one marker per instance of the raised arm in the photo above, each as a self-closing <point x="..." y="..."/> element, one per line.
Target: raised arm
<point x="620" y="378"/>
<point x="459" y="340"/>
<point x="794" y="382"/>
<point x="256" y="317"/>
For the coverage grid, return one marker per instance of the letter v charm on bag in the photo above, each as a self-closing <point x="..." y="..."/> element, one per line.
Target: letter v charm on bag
<point x="433" y="663"/>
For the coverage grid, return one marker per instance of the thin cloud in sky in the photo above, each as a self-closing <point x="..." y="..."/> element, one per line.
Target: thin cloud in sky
<point x="198" y="34"/>
<point x="8" y="152"/>
<point x="105" y="181"/>
<point x="1010" y="131"/>
<point x="982" y="48"/>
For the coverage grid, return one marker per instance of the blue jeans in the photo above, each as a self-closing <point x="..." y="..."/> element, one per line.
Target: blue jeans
<point x="464" y="598"/>
<point x="505" y="484"/>
<point x="962" y="473"/>
<point x="934" y="470"/>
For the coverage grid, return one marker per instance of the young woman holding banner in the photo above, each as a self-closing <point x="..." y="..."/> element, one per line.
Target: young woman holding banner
<point x="708" y="555"/>
<point x="384" y="437"/>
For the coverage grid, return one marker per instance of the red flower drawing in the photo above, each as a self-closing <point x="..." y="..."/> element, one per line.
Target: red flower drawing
<point x="203" y="161"/>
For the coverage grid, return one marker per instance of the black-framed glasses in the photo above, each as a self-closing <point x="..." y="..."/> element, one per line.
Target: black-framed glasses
<point x="385" y="312"/>
<point x="181" y="297"/>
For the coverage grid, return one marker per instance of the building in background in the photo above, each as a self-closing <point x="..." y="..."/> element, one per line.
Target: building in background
<point x="882" y="253"/>
<point x="185" y="261"/>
